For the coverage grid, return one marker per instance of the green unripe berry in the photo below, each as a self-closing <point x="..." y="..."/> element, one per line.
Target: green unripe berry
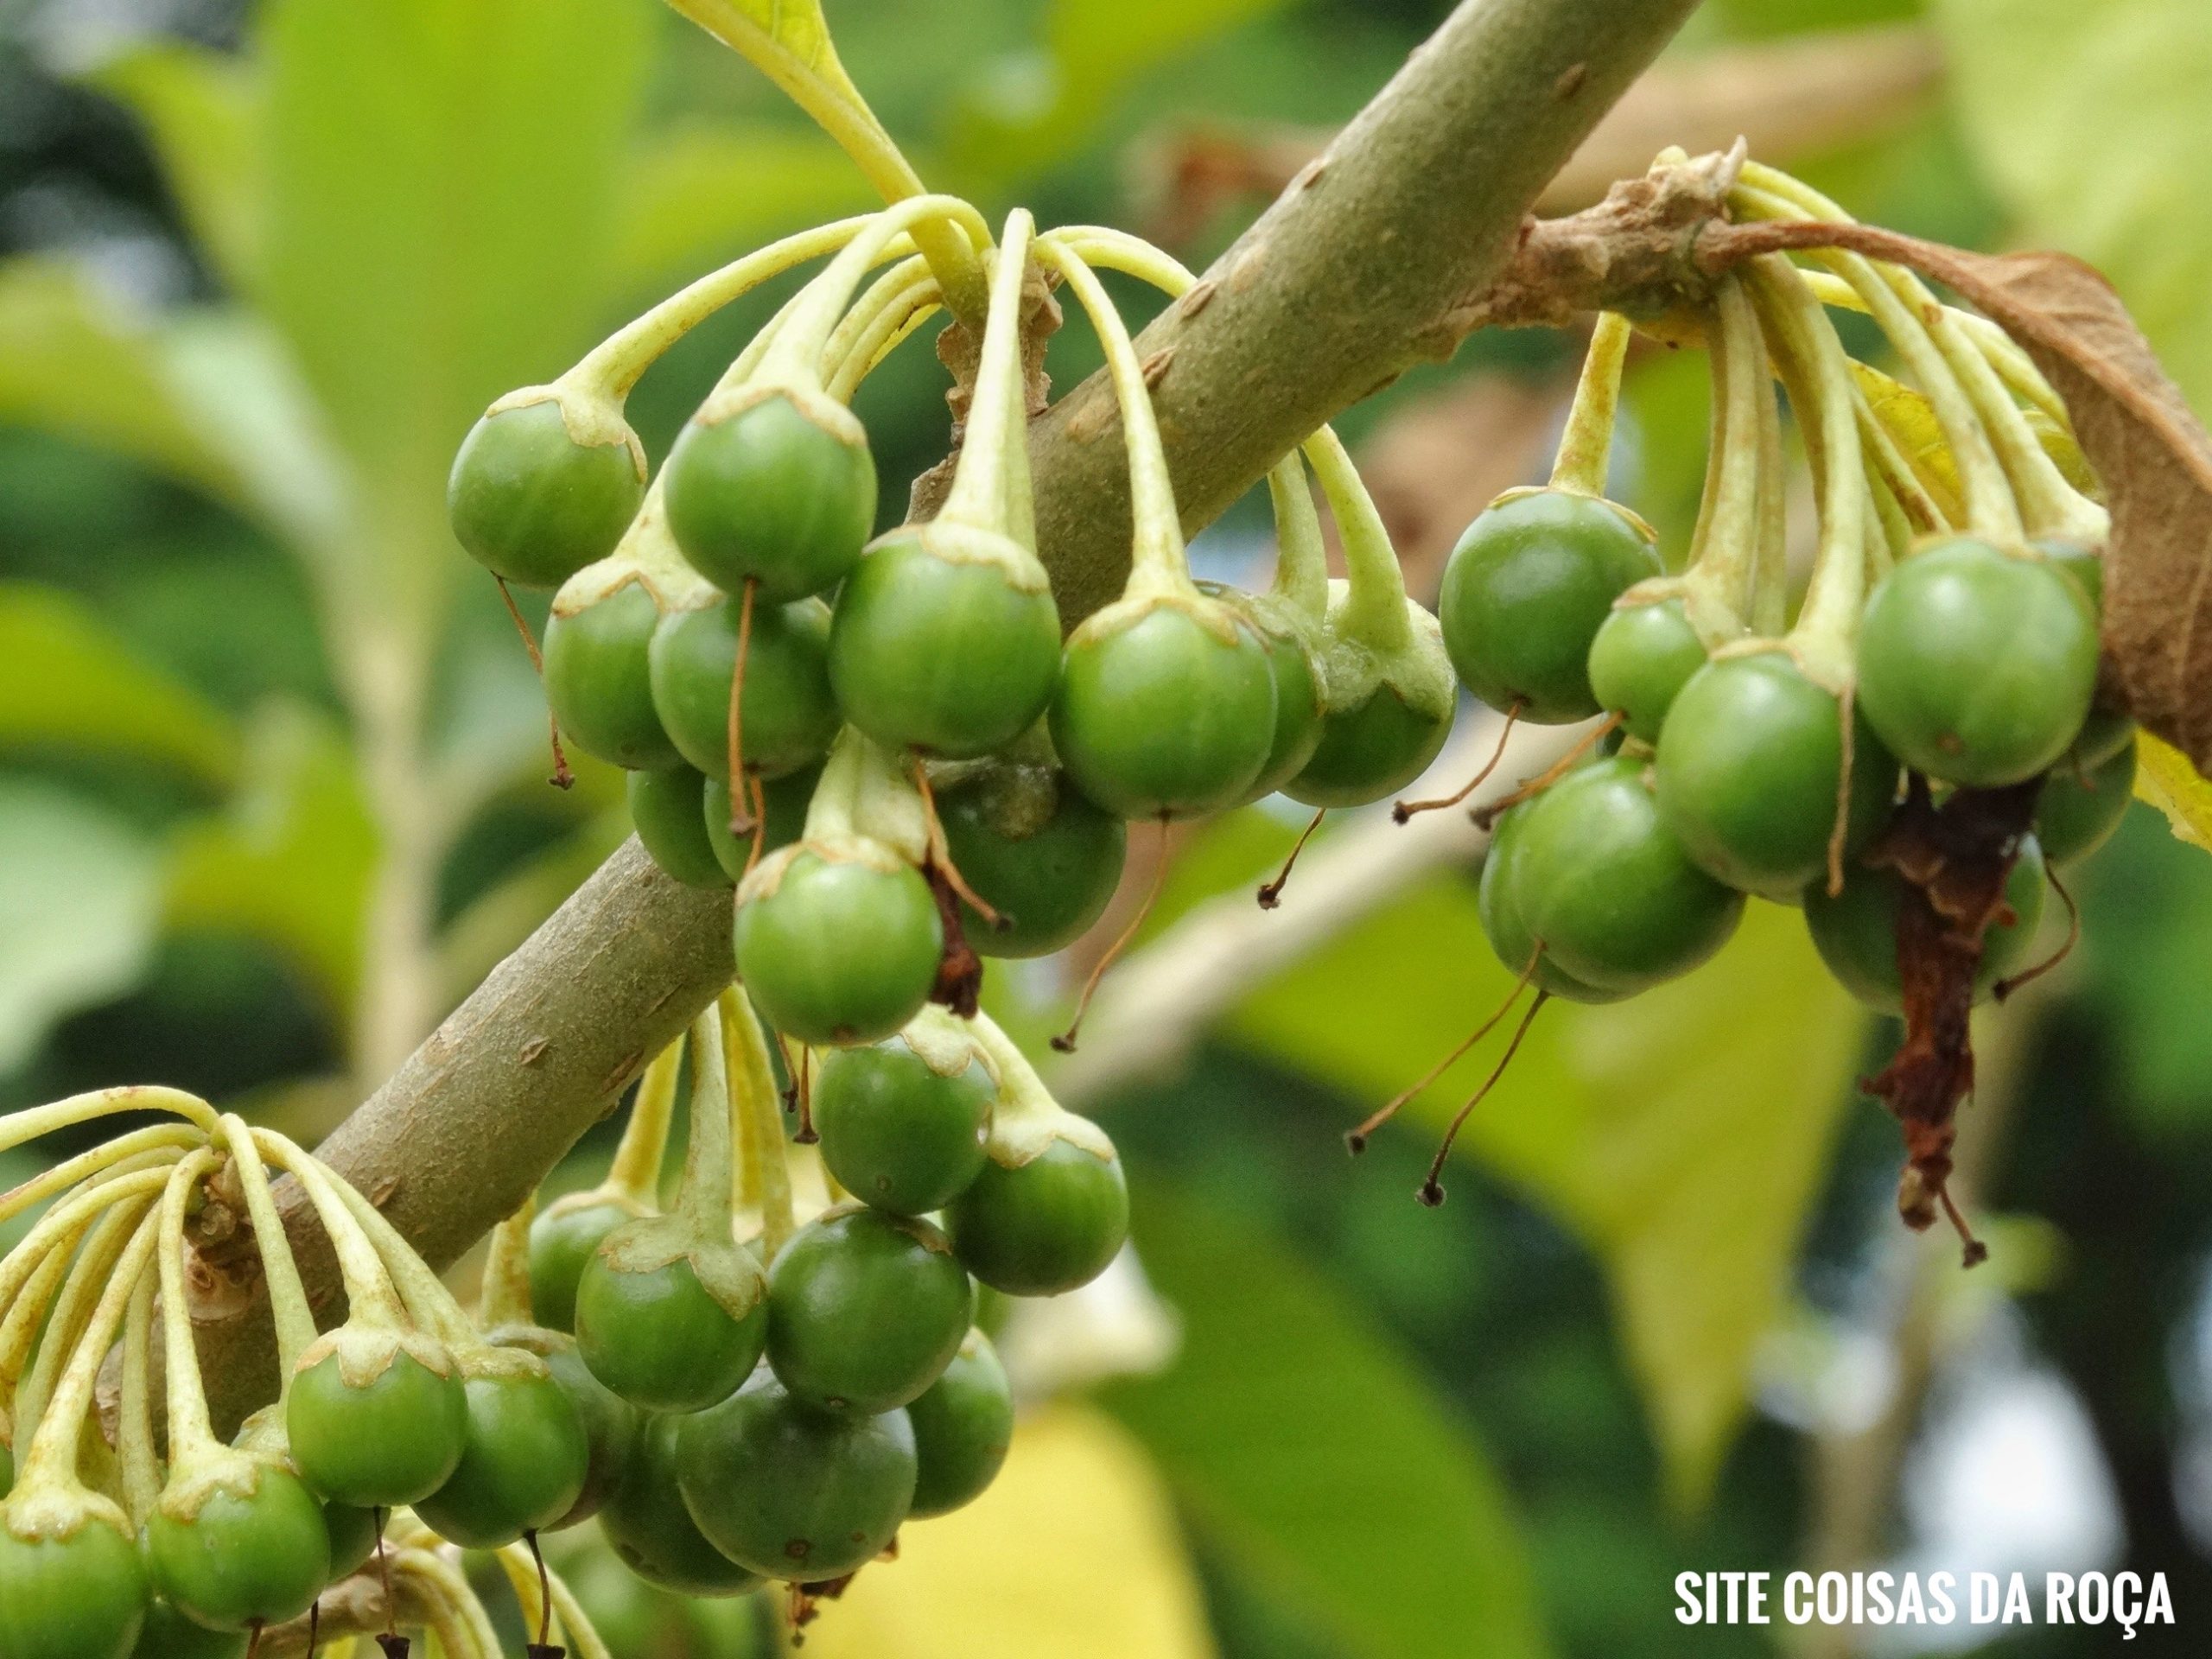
<point x="534" y="503"/>
<point x="774" y="493"/>
<point x="668" y="809"/>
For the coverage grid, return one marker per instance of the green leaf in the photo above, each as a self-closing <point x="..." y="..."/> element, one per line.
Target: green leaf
<point x="441" y="184"/>
<point x="290" y="863"/>
<point x="78" y="361"/>
<point x="201" y="110"/>
<point x="1683" y="1134"/>
<point x="1310" y="1446"/>
<point x="67" y="681"/>
<point x="79" y="897"/>
<point x="2092" y="122"/>
<point x="702" y="194"/>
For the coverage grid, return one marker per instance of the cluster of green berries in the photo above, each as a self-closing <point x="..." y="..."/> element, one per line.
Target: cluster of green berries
<point x="1948" y="634"/>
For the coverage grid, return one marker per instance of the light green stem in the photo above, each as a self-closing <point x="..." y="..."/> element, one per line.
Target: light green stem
<point x="906" y="311"/>
<point x="758" y="1114"/>
<point x="505" y="1298"/>
<point x="371" y="1298"/>
<point x="140" y="1175"/>
<point x="1720" y="577"/>
<point x="290" y="1309"/>
<point x="615" y="365"/>
<point x="635" y="1173"/>
<point x="907" y="275"/>
<point x="87" y="1277"/>
<point x="1157" y="564"/>
<point x="704" y="1200"/>
<point x="134" y="1429"/>
<point x="1890" y="463"/>
<point x="998" y="407"/>
<point x="1302" y="558"/>
<point x="1585" y="447"/>
<point x="1374" y="603"/>
<point x="20" y="1127"/>
<point x="431" y="1306"/>
<point x="190" y="1432"/>
<point x="64" y="1175"/>
<point x="1769" y="604"/>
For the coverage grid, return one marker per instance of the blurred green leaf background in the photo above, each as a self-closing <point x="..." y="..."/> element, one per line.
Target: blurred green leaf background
<point x="272" y="798"/>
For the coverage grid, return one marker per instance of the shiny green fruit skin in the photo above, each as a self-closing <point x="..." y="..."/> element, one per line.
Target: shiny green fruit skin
<point x="1641" y="658"/>
<point x="2079" y="811"/>
<point x="964" y="1424"/>
<point x="1608" y="888"/>
<point x="394" y="1441"/>
<point x="167" y="1634"/>
<point x="668" y="809"/>
<point x="1298" y="691"/>
<point x="897" y="1134"/>
<point x="1525" y="592"/>
<point x="597" y="680"/>
<point x="1044" y="1227"/>
<point x="1497" y="907"/>
<point x="1159" y="716"/>
<point x="1369" y="753"/>
<point x="789" y="712"/>
<point x="261" y="1557"/>
<point x="563" y="1239"/>
<point x="865" y="1311"/>
<point x="1856" y="932"/>
<point x="1747" y="770"/>
<point x="945" y="655"/>
<point x="785" y="801"/>
<point x="841" y="951"/>
<point x="659" y="1339"/>
<point x="81" y="1597"/>
<point x="610" y="1423"/>
<point x="352" y="1534"/>
<point x="769" y="496"/>
<point x="521" y="1468"/>
<point x="532" y="505"/>
<point x="1035" y="850"/>
<point x="795" y="1493"/>
<point x="651" y="1528"/>
<point x="1977" y="666"/>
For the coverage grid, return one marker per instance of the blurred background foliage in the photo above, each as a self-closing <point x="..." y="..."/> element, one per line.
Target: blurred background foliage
<point x="272" y="798"/>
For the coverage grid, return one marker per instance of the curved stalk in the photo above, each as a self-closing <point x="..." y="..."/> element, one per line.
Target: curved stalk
<point x="2002" y="352"/>
<point x="191" y="1433"/>
<point x="908" y="276"/>
<point x="1585" y="447"/>
<point x="1720" y="583"/>
<point x="1302" y="558"/>
<point x="505" y="1297"/>
<point x="998" y="409"/>
<point x="371" y="1296"/>
<point x="288" y="1307"/>
<point x="635" y="1173"/>
<point x="907" y="310"/>
<point x="764" y="1168"/>
<point x="141" y="1467"/>
<point x="704" y="1199"/>
<point x="20" y="1127"/>
<point x="67" y="1173"/>
<point x="87" y="1277"/>
<point x="1375" y="604"/>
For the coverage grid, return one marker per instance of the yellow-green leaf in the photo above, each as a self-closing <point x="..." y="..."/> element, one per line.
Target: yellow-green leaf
<point x="202" y="111"/>
<point x="1072" y="1553"/>
<point x="2165" y="780"/>
<point x="1683" y="1134"/>
<point x="69" y="683"/>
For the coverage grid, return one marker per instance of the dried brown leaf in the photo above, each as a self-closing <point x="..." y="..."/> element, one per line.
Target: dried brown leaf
<point x="2151" y="451"/>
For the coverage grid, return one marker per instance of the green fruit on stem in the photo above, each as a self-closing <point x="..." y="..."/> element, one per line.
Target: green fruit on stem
<point x="795" y="1493"/>
<point x="71" y="1583"/>
<point x="945" y="640"/>
<point x="651" y="1527"/>
<point x="352" y="1534"/>
<point x="1499" y="910"/>
<point x="1042" y="1227"/>
<point x="653" y="1325"/>
<point x="1037" y="851"/>
<point x="610" y="1422"/>
<point x="563" y="1237"/>
<point x="524" y="1463"/>
<point x="1977" y="664"/>
<point x="2078" y="812"/>
<point x="598" y="681"/>
<point x="244" y="1545"/>
<point x="668" y="809"/>
<point x="784" y="802"/>
<point x="1643" y="656"/>
<point x="1856" y="931"/>
<point x="837" y="943"/>
<point x="778" y="493"/>
<point x="1607" y="887"/>
<point x="1287" y="636"/>
<point x="1370" y="751"/>
<point x="896" y="1132"/>
<point x="375" y="1418"/>
<point x="1748" y="768"/>
<point x="533" y="504"/>
<point x="865" y="1311"/>
<point x="787" y="708"/>
<point x="1165" y="709"/>
<point x="1527" y="589"/>
<point x="963" y="1424"/>
<point x="167" y="1634"/>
